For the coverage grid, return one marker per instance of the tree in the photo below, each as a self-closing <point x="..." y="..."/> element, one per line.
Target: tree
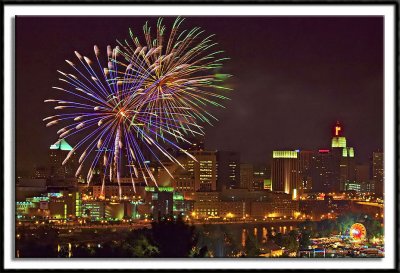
<point x="290" y="242"/>
<point x="252" y="248"/>
<point x="308" y="226"/>
<point x="373" y="227"/>
<point x="173" y="238"/>
<point x="326" y="227"/>
<point x="142" y="243"/>
<point x="231" y="245"/>
<point x="345" y="221"/>
<point x="278" y="239"/>
<point x="199" y="252"/>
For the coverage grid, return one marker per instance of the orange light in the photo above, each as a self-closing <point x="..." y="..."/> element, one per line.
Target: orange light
<point x="337" y="129"/>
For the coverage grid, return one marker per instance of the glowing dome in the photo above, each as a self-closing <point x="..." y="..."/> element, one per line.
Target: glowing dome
<point x="61" y="145"/>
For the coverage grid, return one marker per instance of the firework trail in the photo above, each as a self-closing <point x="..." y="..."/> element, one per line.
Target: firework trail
<point x="109" y="117"/>
<point x="182" y="80"/>
<point x="142" y="99"/>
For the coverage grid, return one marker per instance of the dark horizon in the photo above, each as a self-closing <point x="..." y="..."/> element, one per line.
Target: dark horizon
<point x="293" y="78"/>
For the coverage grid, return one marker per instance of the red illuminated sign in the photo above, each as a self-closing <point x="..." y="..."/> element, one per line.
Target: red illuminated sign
<point x="337" y="129"/>
<point x="323" y="151"/>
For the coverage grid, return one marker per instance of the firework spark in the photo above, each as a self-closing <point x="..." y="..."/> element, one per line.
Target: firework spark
<point x="110" y="119"/>
<point x="142" y="99"/>
<point x="182" y="75"/>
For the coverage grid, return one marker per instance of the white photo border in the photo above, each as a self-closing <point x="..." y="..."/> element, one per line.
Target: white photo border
<point x="386" y="10"/>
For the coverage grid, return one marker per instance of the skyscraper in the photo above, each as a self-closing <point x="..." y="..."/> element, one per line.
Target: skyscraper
<point x="362" y="173"/>
<point x="57" y="154"/>
<point x="285" y="172"/>
<point x="183" y="178"/>
<point x="261" y="177"/>
<point x="344" y="159"/>
<point x="305" y="158"/>
<point x="200" y="175"/>
<point x="323" y="171"/>
<point x="246" y="175"/>
<point x="378" y="172"/>
<point x="363" y="178"/>
<point x="41" y="172"/>
<point x="228" y="170"/>
<point x="347" y="168"/>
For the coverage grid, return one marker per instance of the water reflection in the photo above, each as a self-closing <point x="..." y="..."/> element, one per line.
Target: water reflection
<point x="64" y="249"/>
<point x="221" y="240"/>
<point x="244" y="232"/>
<point x="239" y="235"/>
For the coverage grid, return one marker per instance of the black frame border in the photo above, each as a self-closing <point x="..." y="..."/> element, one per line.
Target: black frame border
<point x="396" y="101"/>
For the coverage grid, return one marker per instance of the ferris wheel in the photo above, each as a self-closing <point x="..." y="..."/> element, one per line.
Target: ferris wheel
<point x="358" y="231"/>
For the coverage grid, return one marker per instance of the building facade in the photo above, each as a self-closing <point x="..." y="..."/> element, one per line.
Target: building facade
<point x="378" y="173"/>
<point x="246" y="176"/>
<point x="57" y="154"/>
<point x="228" y="170"/>
<point x="285" y="172"/>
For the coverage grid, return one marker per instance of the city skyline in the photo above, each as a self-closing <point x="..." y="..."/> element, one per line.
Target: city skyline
<point x="259" y="92"/>
<point x="260" y="166"/>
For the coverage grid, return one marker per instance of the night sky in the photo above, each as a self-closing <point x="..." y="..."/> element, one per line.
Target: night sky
<point x="293" y="78"/>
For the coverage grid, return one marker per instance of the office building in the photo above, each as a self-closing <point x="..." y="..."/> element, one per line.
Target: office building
<point x="324" y="171"/>
<point x="261" y="178"/>
<point x="362" y="173"/>
<point x="57" y="154"/>
<point x="204" y="170"/>
<point x="200" y="175"/>
<point x="246" y="176"/>
<point x="275" y="205"/>
<point x="305" y="158"/>
<point x="344" y="157"/>
<point x="285" y="172"/>
<point x="378" y="173"/>
<point x="41" y="172"/>
<point x="228" y="170"/>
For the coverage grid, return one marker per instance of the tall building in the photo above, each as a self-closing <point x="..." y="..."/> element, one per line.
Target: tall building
<point x="163" y="204"/>
<point x="246" y="176"/>
<point x="323" y="171"/>
<point x="57" y="154"/>
<point x="228" y="170"/>
<point x="378" y="173"/>
<point x="305" y="158"/>
<point x="363" y="178"/>
<point x="41" y="172"/>
<point x="344" y="157"/>
<point x="200" y="175"/>
<point x="184" y="178"/>
<point x="362" y="173"/>
<point x="347" y="167"/>
<point x="285" y="172"/>
<point x="261" y="176"/>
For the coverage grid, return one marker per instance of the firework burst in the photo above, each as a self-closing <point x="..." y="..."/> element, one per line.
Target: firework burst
<point x="182" y="75"/>
<point x="142" y="99"/>
<point x="111" y="119"/>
